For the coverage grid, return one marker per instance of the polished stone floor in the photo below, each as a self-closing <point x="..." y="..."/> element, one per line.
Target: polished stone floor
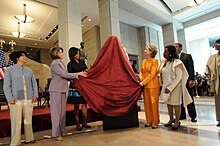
<point x="202" y="133"/>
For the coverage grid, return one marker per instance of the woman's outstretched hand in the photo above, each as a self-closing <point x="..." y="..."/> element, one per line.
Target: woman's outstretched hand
<point x="141" y="84"/>
<point x="83" y="74"/>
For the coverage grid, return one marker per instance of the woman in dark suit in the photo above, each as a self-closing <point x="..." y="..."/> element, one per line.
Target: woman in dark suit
<point x="57" y="89"/>
<point x="77" y="65"/>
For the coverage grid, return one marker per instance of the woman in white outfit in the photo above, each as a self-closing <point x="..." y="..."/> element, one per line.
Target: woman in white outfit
<point x="20" y="88"/>
<point x="173" y="77"/>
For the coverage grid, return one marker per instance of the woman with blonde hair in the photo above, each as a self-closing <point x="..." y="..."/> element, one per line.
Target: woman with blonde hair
<point x="150" y="82"/>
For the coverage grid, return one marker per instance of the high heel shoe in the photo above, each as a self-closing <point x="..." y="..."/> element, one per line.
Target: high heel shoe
<point x="154" y="127"/>
<point x="32" y="141"/>
<point x="86" y="126"/>
<point x="78" y="128"/>
<point x="169" y="124"/>
<point x="175" y="128"/>
<point x="147" y="125"/>
<point x="59" y="138"/>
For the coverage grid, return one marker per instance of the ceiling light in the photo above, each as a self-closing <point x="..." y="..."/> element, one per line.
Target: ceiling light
<point x="196" y="3"/>
<point x="24" y="18"/>
<point x="90" y="19"/>
<point x="51" y="33"/>
<point x="18" y="34"/>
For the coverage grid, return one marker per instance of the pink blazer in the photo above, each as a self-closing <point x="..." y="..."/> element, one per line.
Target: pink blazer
<point x="60" y="75"/>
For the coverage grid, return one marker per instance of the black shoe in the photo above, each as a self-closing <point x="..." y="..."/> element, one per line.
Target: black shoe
<point x="78" y="128"/>
<point x="169" y="124"/>
<point x="218" y="125"/>
<point x="193" y="120"/>
<point x="86" y="126"/>
<point x="175" y="128"/>
<point x="154" y="127"/>
<point x="147" y="125"/>
<point x="33" y="141"/>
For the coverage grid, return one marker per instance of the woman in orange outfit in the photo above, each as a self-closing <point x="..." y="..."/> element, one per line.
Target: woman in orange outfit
<point x="150" y="81"/>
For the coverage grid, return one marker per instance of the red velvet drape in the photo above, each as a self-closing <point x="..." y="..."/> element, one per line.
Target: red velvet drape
<point x="111" y="87"/>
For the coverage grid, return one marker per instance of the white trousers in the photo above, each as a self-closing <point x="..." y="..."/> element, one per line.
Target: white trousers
<point x="25" y="109"/>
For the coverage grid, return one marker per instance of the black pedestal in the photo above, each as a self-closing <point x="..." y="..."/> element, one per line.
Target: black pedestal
<point x="126" y="121"/>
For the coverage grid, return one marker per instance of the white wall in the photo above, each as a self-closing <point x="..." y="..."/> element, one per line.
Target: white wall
<point x="200" y="51"/>
<point x="197" y="41"/>
<point x="129" y="38"/>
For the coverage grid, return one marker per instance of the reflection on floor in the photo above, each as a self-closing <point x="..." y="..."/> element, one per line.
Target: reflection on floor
<point x="202" y="133"/>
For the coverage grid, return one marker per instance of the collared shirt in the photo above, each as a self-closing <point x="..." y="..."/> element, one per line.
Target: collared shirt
<point x="179" y="55"/>
<point x="17" y="79"/>
<point x="218" y="62"/>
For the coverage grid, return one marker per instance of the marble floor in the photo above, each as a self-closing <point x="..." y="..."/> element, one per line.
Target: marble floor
<point x="202" y="133"/>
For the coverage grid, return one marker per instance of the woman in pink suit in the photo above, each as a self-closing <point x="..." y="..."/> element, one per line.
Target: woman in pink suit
<point x="57" y="89"/>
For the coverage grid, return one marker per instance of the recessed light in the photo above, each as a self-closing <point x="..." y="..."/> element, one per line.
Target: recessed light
<point x="51" y="33"/>
<point x="90" y="19"/>
<point x="82" y="25"/>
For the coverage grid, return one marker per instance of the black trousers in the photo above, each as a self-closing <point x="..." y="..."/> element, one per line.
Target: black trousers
<point x="190" y="107"/>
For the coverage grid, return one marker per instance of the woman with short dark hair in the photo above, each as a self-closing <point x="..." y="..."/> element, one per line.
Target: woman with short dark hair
<point x="173" y="76"/>
<point x="20" y="88"/>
